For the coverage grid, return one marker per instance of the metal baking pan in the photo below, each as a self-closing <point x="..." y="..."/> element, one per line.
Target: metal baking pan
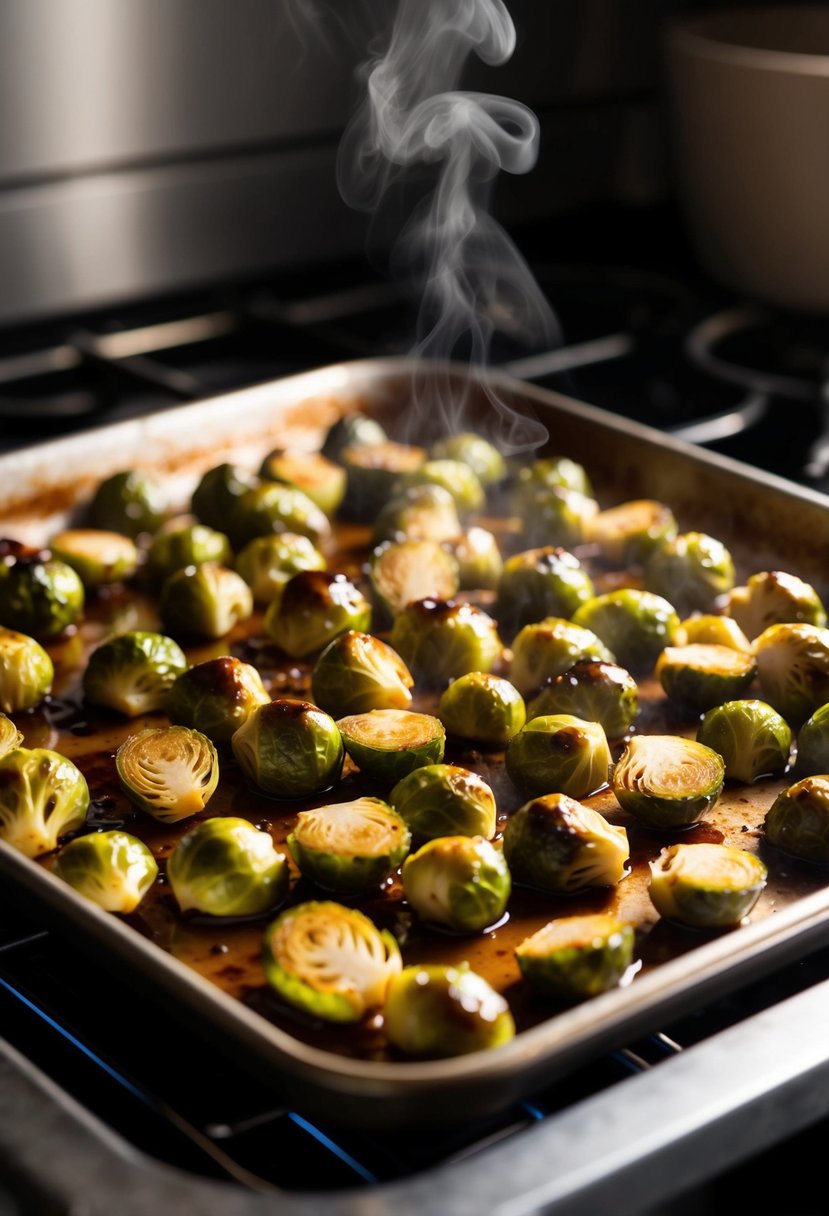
<point x="768" y="523"/>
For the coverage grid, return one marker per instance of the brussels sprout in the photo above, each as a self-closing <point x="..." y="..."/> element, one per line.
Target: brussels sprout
<point x="442" y="1011"/>
<point x="556" y="471"/>
<point x="440" y="640"/>
<point x="813" y="744"/>
<point x="216" y="697"/>
<point x="577" y="956"/>
<point x="352" y="429"/>
<point x="408" y="570"/>
<point x="204" y="601"/>
<point x="598" y="692"/>
<point x="329" y="961"/>
<point x="445" y="800"/>
<point x="483" y="708"/>
<point x="559" y="752"/>
<point x="349" y="847"/>
<point x="552" y="515"/>
<point x="98" y="557"/>
<point x="479" y="559"/>
<point x="702" y="676"/>
<point x="793" y="669"/>
<point x="374" y="472"/>
<point x="459" y="881"/>
<point x="170" y="772"/>
<point x="693" y="569"/>
<point x="112" y="869"/>
<point x="39" y="595"/>
<point x="314" y="608"/>
<point x="635" y="624"/>
<point x="798" y="819"/>
<point x="357" y="672"/>
<point x="667" y="781"/>
<point x="226" y="867"/>
<point x="289" y="748"/>
<point x="550" y="647"/>
<point x="26" y="672"/>
<point x="774" y="598"/>
<point x="483" y="458"/>
<point x="386" y="744"/>
<point x="130" y="501"/>
<point x="275" y="508"/>
<point x="557" y="844"/>
<point x="706" y="886"/>
<point x="418" y="513"/>
<point x="317" y="476"/>
<point x="540" y="583"/>
<point x="43" y="796"/>
<point x="628" y="533"/>
<point x="216" y="493"/>
<point x="191" y="545"/>
<point x="10" y="736"/>
<point x="711" y="630"/>
<point x="453" y="475"/>
<point x="267" y="562"/>
<point x="133" y="672"/>
<point x="752" y="738"/>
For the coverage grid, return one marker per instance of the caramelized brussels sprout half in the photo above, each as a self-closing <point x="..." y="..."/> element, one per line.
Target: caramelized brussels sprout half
<point x="701" y="676"/>
<point x="289" y="748"/>
<point x="320" y="478"/>
<point x="711" y="630"/>
<point x="793" y="669"/>
<point x="752" y="738"/>
<point x="112" y="869"/>
<point x="349" y="847"/>
<point x="445" y="800"/>
<point x="276" y="508"/>
<point x="426" y="512"/>
<point x="189" y="545"/>
<point x="773" y="597"/>
<point x="666" y="781"/>
<point x="352" y="429"/>
<point x="813" y="744"/>
<point x="357" y="672"/>
<point x="540" y="583"/>
<point x="693" y="569"/>
<point x="204" y="601"/>
<point x="10" y="736"/>
<point x="433" y="1010"/>
<point x="483" y="708"/>
<point x="440" y="640"/>
<point x="479" y="559"/>
<point x="374" y="474"/>
<point x="226" y="867"/>
<point x="133" y="672"/>
<point x="627" y="534"/>
<point x="216" y="697"/>
<point x="26" y="671"/>
<point x="482" y="457"/>
<point x="403" y="571"/>
<point x="576" y="957"/>
<point x="266" y="563"/>
<point x="170" y="772"/>
<point x="97" y="556"/>
<point x="453" y="475"/>
<point x="43" y="796"/>
<point x="314" y="608"/>
<point x="39" y="595"/>
<point x="552" y="515"/>
<point x="598" y="692"/>
<point x="635" y="624"/>
<point x="559" y="752"/>
<point x="461" y="882"/>
<point x="217" y="491"/>
<point x="706" y="886"/>
<point x="386" y="744"/>
<point x="549" y="648"/>
<point x="130" y="501"/>
<point x="798" y="820"/>
<point x="556" y="471"/>
<point x="557" y="844"/>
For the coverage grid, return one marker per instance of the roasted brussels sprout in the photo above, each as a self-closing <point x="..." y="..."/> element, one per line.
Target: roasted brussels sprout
<point x="711" y="630"/>
<point x="266" y="563"/>
<point x="445" y="800"/>
<point x="352" y="429"/>
<point x="483" y="458"/>
<point x="598" y="692"/>
<point x="479" y="559"/>
<point x="483" y="708"/>
<point x="752" y="738"/>
<point x="43" y="796"/>
<point x="426" y="512"/>
<point x="798" y="820"/>
<point x="275" y="508"/>
<point x="204" y="601"/>
<point x="540" y="583"/>
<point x="26" y="671"/>
<point x="774" y="598"/>
<point x="552" y="515"/>
<point x="39" y="595"/>
<point x="313" y="609"/>
<point x="357" y="672"/>
<point x="349" y="847"/>
<point x="561" y="753"/>
<point x="442" y="1011"/>
<point x="329" y="961"/>
<point x="226" y="867"/>
<point x="97" y="556"/>
<point x="557" y="844"/>
<point x="701" y="676"/>
<point x="133" y="672"/>
<point x="693" y="569"/>
<point x="403" y="571"/>
<point x="706" y="886"/>
<point x="666" y="781"/>
<point x="217" y="491"/>
<point x="628" y="533"/>
<point x="374" y="474"/>
<point x="216" y="697"/>
<point x="549" y="648"/>
<point x="813" y="744"/>
<point x="461" y="882"/>
<point x="10" y="736"/>
<point x="440" y="640"/>
<point x="170" y="772"/>
<point x="317" y="476"/>
<point x="556" y="471"/>
<point x="576" y="957"/>
<point x="453" y="475"/>
<point x="130" y="501"/>
<point x="112" y="869"/>
<point x="635" y="624"/>
<point x="289" y="748"/>
<point x="189" y="545"/>
<point x="793" y="669"/>
<point x="386" y="744"/>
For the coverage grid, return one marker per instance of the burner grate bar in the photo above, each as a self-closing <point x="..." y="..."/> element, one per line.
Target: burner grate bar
<point x="567" y="358"/>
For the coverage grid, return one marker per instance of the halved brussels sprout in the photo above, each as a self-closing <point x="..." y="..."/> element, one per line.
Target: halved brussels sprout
<point x="349" y="847"/>
<point x="813" y="744"/>
<point x="97" y="556"/>
<point x="216" y="697"/>
<point x="552" y="515"/>
<point x="357" y="672"/>
<point x="798" y="819"/>
<point x="266" y="563"/>
<point x="793" y="669"/>
<point x="386" y="744"/>
<point x="43" y="796"/>
<point x="227" y="867"/>
<point x="445" y="800"/>
<point x="289" y="748"/>
<point x="773" y="597"/>
<point x="317" y="476"/>
<point x="112" y="869"/>
<point x="204" y="601"/>
<point x="667" y="781"/>
<point x="215" y="495"/>
<point x="479" y="559"/>
<point x="39" y="595"/>
<point x="374" y="473"/>
<point x="453" y="475"/>
<point x="628" y="533"/>
<point x="171" y="772"/>
<point x="276" y="508"/>
<point x="133" y="672"/>
<point x="314" y="608"/>
<point x="752" y="738"/>
<point x="10" y="736"/>
<point x="188" y="545"/>
<point x="483" y="708"/>
<point x="711" y="630"/>
<point x="329" y="961"/>
<point x="635" y="624"/>
<point x="440" y="640"/>
<point x="459" y="881"/>
<point x="425" y="512"/>
<point x="598" y="692"/>
<point x="557" y="844"/>
<point x="540" y="583"/>
<point x="702" y="676"/>
<point x="556" y="471"/>
<point x="403" y="571"/>
<point x="559" y="753"/>
<point x="483" y="458"/>
<point x="434" y="1010"/>
<point x="26" y="671"/>
<point x="576" y="957"/>
<point x="706" y="886"/>
<point x="693" y="569"/>
<point x="550" y="647"/>
<point x="131" y="501"/>
<point x="351" y="429"/>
